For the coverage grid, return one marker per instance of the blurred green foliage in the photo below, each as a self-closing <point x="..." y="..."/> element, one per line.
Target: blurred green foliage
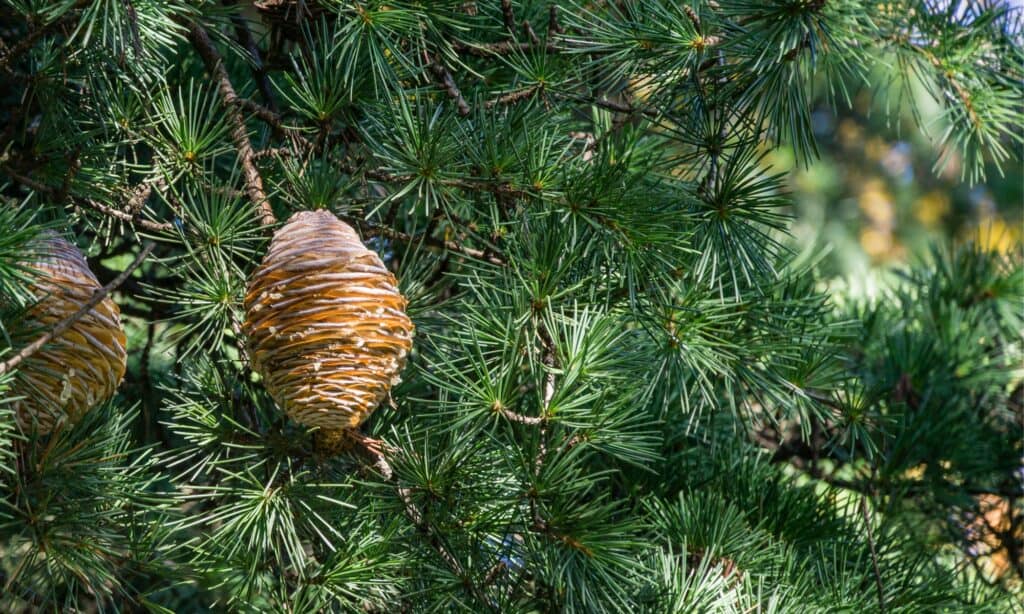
<point x="881" y="191"/>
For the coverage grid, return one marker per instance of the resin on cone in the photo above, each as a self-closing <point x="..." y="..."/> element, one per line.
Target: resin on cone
<point x="325" y="323"/>
<point x="83" y="366"/>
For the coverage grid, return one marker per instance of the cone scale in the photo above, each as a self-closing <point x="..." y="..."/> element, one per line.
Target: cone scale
<point x="325" y="323"/>
<point x="84" y="365"/>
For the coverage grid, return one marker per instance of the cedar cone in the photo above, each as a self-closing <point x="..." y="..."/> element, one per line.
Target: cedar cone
<point x="85" y="364"/>
<point x="325" y="323"/>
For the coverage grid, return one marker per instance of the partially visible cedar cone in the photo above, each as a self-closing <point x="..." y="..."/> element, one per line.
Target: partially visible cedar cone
<point x="325" y="323"/>
<point x="84" y="365"/>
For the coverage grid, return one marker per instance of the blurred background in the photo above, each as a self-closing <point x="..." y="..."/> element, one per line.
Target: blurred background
<point x="882" y="193"/>
<point x="884" y="188"/>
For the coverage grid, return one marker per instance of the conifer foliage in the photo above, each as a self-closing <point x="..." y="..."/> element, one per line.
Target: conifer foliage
<point x="627" y="391"/>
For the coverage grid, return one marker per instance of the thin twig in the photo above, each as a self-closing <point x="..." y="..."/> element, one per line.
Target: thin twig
<point x="550" y="361"/>
<point x="621" y="107"/>
<point x="820" y="397"/>
<point x="553" y="27"/>
<point x="274" y="152"/>
<point x="447" y="81"/>
<point x="27" y="181"/>
<point x="692" y="16"/>
<point x="259" y="69"/>
<point x="502" y="188"/>
<point x="520" y="418"/>
<point x="272" y="119"/>
<point x="370" y="229"/>
<point x="140" y="194"/>
<point x="874" y="555"/>
<point x="236" y="329"/>
<point x="133" y="27"/>
<point x="492" y="575"/>
<point x="74" y="165"/>
<point x="392" y="213"/>
<point x="239" y="134"/>
<point x="512" y="97"/>
<point x="266" y="114"/>
<point x="69" y="321"/>
<point x="370" y="449"/>
<point x="124" y="216"/>
<point x="530" y="34"/>
<point x="144" y="381"/>
<point x="485" y="50"/>
<point x="508" y="15"/>
<point x="32" y="37"/>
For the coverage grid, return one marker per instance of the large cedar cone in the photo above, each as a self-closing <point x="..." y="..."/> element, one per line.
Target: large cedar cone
<point x="325" y="323"/>
<point x="85" y="364"/>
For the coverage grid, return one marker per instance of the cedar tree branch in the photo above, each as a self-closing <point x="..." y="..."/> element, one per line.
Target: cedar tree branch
<point x="215" y="65"/>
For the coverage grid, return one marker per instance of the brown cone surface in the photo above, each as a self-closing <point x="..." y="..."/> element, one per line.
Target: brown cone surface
<point x="325" y="323"/>
<point x="83" y="366"/>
